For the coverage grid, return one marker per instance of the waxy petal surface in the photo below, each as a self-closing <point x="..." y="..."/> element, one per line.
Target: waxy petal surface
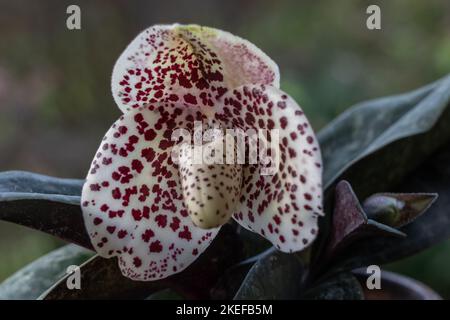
<point x="211" y="191"/>
<point x="282" y="205"/>
<point x="189" y="64"/>
<point x="132" y="200"/>
<point x="242" y="62"/>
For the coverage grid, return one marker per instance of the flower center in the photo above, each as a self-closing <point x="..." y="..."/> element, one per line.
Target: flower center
<point x="211" y="186"/>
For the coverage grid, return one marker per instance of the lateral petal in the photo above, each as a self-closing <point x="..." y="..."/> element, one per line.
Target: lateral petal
<point x="133" y="204"/>
<point x="282" y="199"/>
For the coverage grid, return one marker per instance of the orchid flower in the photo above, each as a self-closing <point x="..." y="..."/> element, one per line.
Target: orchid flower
<point x="156" y="215"/>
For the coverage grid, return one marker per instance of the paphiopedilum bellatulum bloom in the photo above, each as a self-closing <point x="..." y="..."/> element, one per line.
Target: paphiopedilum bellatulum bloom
<point x="157" y="214"/>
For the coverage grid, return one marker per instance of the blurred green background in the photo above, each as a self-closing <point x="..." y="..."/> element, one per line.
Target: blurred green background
<point x="55" y="101"/>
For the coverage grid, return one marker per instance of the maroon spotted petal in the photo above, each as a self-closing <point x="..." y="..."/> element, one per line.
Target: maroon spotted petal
<point x="132" y="200"/>
<point x="282" y="204"/>
<point x="187" y="64"/>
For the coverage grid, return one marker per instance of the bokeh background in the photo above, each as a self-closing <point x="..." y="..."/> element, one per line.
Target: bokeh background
<point x="55" y="101"/>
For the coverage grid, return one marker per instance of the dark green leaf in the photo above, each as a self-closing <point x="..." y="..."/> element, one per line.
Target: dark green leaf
<point x="375" y="143"/>
<point x="275" y="276"/>
<point x="342" y="286"/>
<point x="44" y="203"/>
<point x="165" y="294"/>
<point x="101" y="278"/>
<point x="29" y="282"/>
<point x="55" y="214"/>
<point x="28" y="182"/>
<point x="231" y="280"/>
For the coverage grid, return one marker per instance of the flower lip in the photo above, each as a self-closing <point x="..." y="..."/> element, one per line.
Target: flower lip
<point x="211" y="191"/>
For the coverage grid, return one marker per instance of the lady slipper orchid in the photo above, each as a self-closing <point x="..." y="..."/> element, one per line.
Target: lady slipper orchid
<point x="158" y="215"/>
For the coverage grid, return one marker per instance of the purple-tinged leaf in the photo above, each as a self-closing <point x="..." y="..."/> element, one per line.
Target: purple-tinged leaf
<point x="427" y="230"/>
<point x="350" y="223"/>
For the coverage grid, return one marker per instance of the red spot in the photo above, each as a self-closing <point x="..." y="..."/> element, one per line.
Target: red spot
<point x="148" y="154"/>
<point x="95" y="187"/>
<point x="292" y="153"/>
<point x="97" y="221"/>
<point x="123" y="129"/>
<point x="283" y="122"/>
<point x="150" y="134"/>
<point x="164" y="144"/>
<point x="302" y="179"/>
<point x="184" y="213"/>
<point x="147" y="235"/>
<point x="137" y="262"/>
<point x="111" y="229"/>
<point x="293" y="135"/>
<point x="185" y="234"/>
<point x="156" y="246"/>
<point x="137" y="165"/>
<point x="116" y="193"/>
<point x="195" y="252"/>
<point x="138" y="118"/>
<point x="115" y="176"/>
<point x="158" y="94"/>
<point x="161" y="220"/>
<point x="189" y="98"/>
<point x="184" y="82"/>
<point x="281" y="104"/>
<point x="175" y="224"/>
<point x="121" y="234"/>
<point x="277" y="220"/>
<point x="171" y="183"/>
<point x="137" y="214"/>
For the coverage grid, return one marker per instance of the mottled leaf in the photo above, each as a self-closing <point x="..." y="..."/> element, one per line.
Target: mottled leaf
<point x="29" y="282"/>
